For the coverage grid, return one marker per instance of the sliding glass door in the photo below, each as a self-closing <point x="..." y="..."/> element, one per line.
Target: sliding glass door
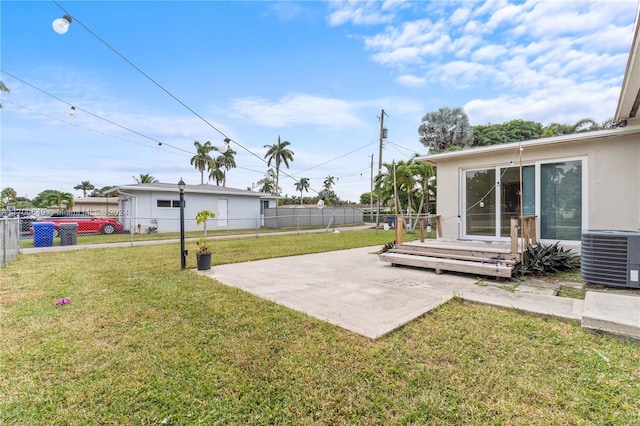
<point x="561" y="200"/>
<point x="491" y="198"/>
<point x="481" y="202"/>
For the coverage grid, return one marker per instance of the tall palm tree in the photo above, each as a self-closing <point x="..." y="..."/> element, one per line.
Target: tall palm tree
<point x="302" y="185"/>
<point x="226" y="161"/>
<point x="202" y="160"/>
<point x="279" y="153"/>
<point x="145" y="178"/>
<point x="84" y="186"/>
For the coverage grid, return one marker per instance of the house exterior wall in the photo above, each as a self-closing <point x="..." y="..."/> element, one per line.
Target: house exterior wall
<point x="141" y="208"/>
<point x="611" y="190"/>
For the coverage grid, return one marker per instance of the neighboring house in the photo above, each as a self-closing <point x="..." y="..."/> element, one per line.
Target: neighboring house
<point x="156" y="206"/>
<point x="97" y="206"/>
<point x="570" y="183"/>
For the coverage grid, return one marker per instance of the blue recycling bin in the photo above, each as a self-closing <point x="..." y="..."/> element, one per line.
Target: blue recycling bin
<point x="43" y="234"/>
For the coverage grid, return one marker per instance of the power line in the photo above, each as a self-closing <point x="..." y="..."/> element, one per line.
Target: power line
<point x="336" y="158"/>
<point x="160" y="143"/>
<point x="165" y="90"/>
<point x="160" y="86"/>
<point x="94" y="130"/>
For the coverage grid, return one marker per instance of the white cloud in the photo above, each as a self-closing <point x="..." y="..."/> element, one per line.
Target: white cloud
<point x="362" y="12"/>
<point x="460" y="16"/>
<point x="488" y="53"/>
<point x="297" y="109"/>
<point x="411" y="81"/>
<point x="566" y="104"/>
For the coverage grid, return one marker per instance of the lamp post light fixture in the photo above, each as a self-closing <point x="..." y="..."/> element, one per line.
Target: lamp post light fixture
<point x="183" y="252"/>
<point x="61" y="25"/>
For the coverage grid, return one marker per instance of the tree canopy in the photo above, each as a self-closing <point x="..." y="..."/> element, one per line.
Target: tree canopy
<point x="445" y="128"/>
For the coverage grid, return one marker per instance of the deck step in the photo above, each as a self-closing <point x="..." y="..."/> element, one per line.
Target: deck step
<point x="446" y="264"/>
<point x="473" y="256"/>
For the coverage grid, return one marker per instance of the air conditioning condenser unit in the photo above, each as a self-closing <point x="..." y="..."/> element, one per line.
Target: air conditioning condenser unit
<point x="610" y="258"/>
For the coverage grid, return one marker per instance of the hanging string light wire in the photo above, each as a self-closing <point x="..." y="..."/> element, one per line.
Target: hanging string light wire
<point x="165" y="90"/>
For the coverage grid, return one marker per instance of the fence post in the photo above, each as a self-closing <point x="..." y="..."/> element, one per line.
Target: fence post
<point x="399" y="229"/>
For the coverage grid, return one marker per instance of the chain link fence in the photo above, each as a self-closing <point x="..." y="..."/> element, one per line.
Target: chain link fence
<point x="61" y="231"/>
<point x="9" y="239"/>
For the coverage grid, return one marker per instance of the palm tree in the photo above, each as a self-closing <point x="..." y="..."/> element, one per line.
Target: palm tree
<point x="267" y="184"/>
<point x="445" y="128"/>
<point x="202" y="160"/>
<point x="302" y="185"/>
<point x="328" y="183"/>
<point x="8" y="194"/>
<point x="227" y="161"/>
<point x="216" y="173"/>
<point x="145" y="178"/>
<point x="3" y="88"/>
<point x="279" y="153"/>
<point x="58" y="198"/>
<point x="384" y="183"/>
<point x="84" y="186"/>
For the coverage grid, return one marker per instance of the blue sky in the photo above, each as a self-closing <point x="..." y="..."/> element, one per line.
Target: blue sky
<point x="314" y="73"/>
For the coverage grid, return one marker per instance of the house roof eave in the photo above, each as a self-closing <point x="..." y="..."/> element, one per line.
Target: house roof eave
<point x="629" y="100"/>
<point x="194" y="189"/>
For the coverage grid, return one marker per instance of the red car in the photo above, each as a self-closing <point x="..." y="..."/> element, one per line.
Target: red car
<point x="87" y="224"/>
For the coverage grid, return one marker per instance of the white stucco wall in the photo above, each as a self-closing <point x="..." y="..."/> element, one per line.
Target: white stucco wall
<point x="612" y="167"/>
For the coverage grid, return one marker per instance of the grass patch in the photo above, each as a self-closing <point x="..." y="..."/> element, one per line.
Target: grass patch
<point x="143" y="342"/>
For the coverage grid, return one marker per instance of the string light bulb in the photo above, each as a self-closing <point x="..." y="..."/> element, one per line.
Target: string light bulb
<point x="61" y="25"/>
<point x="224" y="146"/>
<point x="72" y="111"/>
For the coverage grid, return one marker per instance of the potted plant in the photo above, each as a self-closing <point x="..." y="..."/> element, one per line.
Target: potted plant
<point x="203" y="255"/>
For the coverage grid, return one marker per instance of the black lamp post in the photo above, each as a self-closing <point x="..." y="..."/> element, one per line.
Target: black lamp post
<point x="183" y="252"/>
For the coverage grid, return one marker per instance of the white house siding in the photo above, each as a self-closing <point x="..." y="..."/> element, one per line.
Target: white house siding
<point x="140" y="207"/>
<point x="611" y="166"/>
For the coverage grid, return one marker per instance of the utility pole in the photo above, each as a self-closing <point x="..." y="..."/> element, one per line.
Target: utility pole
<point x="382" y="135"/>
<point x="371" y="193"/>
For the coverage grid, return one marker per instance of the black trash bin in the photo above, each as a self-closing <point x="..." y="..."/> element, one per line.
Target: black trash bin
<point x="68" y="234"/>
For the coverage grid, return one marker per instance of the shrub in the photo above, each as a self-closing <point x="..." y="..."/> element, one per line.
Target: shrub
<point x="543" y="259"/>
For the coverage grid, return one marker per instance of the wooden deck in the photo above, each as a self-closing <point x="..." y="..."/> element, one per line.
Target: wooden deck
<point x="472" y="257"/>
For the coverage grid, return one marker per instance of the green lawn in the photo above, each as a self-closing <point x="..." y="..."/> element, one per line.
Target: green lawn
<point x="143" y="342"/>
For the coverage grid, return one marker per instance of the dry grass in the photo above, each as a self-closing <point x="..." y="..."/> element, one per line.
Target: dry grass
<point x="143" y="342"/>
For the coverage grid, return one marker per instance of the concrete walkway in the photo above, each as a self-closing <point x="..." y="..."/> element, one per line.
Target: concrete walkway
<point x="356" y="291"/>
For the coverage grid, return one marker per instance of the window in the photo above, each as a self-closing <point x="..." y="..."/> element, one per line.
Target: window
<point x="168" y="203"/>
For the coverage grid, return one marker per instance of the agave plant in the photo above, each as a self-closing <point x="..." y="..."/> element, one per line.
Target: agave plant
<point x="543" y="259"/>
